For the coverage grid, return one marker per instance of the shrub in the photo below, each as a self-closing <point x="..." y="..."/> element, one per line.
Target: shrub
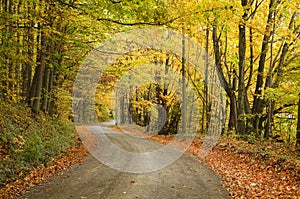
<point x="28" y="140"/>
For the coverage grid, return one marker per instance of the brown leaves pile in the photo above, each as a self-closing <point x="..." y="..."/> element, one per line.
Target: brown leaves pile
<point x="246" y="172"/>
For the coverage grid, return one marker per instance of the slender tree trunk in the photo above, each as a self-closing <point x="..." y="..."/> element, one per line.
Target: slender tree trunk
<point x="117" y="108"/>
<point x="184" y="105"/>
<point x="269" y="82"/>
<point x="128" y="115"/>
<point x="206" y="116"/>
<point x="298" y="124"/>
<point x="45" y="89"/>
<point x="6" y="32"/>
<point x="51" y="107"/>
<point x="122" y="108"/>
<point x="279" y="69"/>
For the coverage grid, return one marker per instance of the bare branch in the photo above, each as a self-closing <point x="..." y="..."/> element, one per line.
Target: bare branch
<point x="138" y="23"/>
<point x="255" y="9"/>
<point x="114" y="2"/>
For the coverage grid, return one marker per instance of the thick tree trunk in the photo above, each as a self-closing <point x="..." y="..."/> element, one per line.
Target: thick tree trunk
<point x="269" y="121"/>
<point x="233" y="113"/>
<point x="258" y="103"/>
<point x="38" y="76"/>
<point x="241" y="126"/>
<point x="228" y="88"/>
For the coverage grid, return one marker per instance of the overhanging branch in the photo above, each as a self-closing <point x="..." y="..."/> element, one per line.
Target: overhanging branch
<point x="138" y="23"/>
<point x="282" y="107"/>
<point x="119" y="22"/>
<point x="278" y="110"/>
<point x="115" y="1"/>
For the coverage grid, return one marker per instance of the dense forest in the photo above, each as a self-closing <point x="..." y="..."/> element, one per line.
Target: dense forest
<point x="254" y="45"/>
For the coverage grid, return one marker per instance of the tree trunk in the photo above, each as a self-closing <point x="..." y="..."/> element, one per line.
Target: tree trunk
<point x="269" y="83"/>
<point x="233" y="113"/>
<point x="184" y="105"/>
<point x="51" y="101"/>
<point x="6" y="32"/>
<point x="258" y="103"/>
<point x="298" y="124"/>
<point x="228" y="88"/>
<point x="45" y="89"/>
<point x="241" y="126"/>
<point x="207" y="105"/>
<point x="284" y="51"/>
<point x="38" y="76"/>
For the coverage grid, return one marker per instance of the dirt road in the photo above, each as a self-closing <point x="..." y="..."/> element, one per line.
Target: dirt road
<point x="185" y="178"/>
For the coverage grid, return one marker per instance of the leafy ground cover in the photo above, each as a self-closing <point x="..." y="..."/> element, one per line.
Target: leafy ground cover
<point x="257" y="169"/>
<point x="248" y="170"/>
<point x="41" y="173"/>
<point x="84" y="143"/>
<point x="29" y="141"/>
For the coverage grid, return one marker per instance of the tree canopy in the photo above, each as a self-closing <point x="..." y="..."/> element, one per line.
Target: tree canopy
<point x="254" y="45"/>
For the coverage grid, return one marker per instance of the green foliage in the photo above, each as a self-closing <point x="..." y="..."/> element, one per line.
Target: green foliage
<point x="29" y="140"/>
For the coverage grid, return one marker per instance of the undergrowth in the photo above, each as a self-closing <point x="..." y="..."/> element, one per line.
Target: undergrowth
<point x="28" y="140"/>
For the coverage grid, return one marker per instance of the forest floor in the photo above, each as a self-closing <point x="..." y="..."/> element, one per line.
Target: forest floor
<point x="256" y="169"/>
<point x="248" y="170"/>
<point x="40" y="174"/>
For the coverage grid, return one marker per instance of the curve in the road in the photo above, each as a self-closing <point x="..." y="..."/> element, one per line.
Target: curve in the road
<point x="187" y="177"/>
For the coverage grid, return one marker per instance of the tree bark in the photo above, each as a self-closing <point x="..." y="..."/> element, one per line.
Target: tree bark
<point x="45" y="89"/>
<point x="241" y="126"/>
<point x="258" y="103"/>
<point x="232" y="125"/>
<point x="298" y="124"/>
<point x="268" y="84"/>
<point x="228" y="89"/>
<point x="207" y="105"/>
<point x="38" y="76"/>
<point x="184" y="105"/>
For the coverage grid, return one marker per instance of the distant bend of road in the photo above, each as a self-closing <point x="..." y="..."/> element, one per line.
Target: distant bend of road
<point x="187" y="177"/>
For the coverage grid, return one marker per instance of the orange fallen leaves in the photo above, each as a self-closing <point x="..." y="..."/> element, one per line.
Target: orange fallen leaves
<point x="40" y="174"/>
<point x="245" y="174"/>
